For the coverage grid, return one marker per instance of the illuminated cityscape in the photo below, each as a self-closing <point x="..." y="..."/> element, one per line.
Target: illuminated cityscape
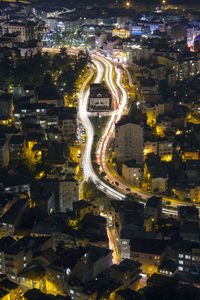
<point x="99" y="150"/>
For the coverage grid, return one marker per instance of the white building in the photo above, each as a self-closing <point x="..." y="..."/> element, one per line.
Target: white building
<point x="129" y="141"/>
<point x="132" y="173"/>
<point x="65" y="193"/>
<point x="99" y="99"/>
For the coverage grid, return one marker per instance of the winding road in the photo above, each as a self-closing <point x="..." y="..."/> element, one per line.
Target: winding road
<point x="106" y="69"/>
<point x="88" y="170"/>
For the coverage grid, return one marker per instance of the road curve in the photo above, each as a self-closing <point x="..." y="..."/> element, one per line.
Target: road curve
<point x="88" y="170"/>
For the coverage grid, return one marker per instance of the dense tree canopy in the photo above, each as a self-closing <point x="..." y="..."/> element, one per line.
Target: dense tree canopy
<point x="60" y="71"/>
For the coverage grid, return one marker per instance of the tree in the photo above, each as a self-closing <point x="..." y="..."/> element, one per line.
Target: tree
<point x="89" y="189"/>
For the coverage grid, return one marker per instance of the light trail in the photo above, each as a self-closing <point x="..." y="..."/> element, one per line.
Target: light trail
<point x="89" y="172"/>
<point x="110" y="127"/>
<point x="104" y="141"/>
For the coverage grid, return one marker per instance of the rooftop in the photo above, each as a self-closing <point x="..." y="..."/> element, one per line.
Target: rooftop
<point x="11" y="215"/>
<point x="17" y="139"/>
<point x="154" y="202"/>
<point x="127" y="294"/>
<point x="126" y="265"/>
<point x="70" y="258"/>
<point x="148" y="246"/>
<point x="168" y="265"/>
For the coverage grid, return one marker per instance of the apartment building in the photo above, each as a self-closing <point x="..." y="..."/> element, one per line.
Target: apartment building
<point x="149" y="253"/>
<point x="28" y="30"/>
<point x="16" y="255"/>
<point x="67" y="123"/>
<point x="132" y="173"/>
<point x="65" y="193"/>
<point x="154" y="207"/>
<point x="129" y="141"/>
<point x="187" y="67"/>
<point x="16" y="145"/>
<point x="4" y="153"/>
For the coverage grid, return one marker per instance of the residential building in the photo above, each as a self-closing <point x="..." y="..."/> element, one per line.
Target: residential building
<point x="67" y="121"/>
<point x="65" y="193"/>
<point x="168" y="268"/>
<point x="82" y="207"/>
<point x="16" y="144"/>
<point x="165" y="148"/>
<point x="187" y="255"/>
<point x="186" y="68"/>
<point x="194" y="193"/>
<point x="127" y="273"/>
<point x="156" y="72"/>
<point x="129" y="141"/>
<point x="4" y="153"/>
<point x="16" y="255"/>
<point x="67" y="125"/>
<point x="6" y="109"/>
<point x="11" y="219"/>
<point x="188" y="213"/>
<point x="154" y="207"/>
<point x="132" y="172"/>
<point x="149" y="253"/>
<point x="28" y="30"/>
<point x="125" y="294"/>
<point x="152" y="111"/>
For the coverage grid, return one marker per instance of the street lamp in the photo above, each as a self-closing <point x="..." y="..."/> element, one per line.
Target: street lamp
<point x="128" y="4"/>
<point x="173" y="190"/>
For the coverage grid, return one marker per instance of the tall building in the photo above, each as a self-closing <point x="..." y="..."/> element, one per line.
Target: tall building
<point x="129" y="141"/>
<point x="65" y="193"/>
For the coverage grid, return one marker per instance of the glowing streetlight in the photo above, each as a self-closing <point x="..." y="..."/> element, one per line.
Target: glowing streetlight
<point x="128" y="4"/>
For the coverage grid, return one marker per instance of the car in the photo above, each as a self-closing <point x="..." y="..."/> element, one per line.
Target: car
<point x="128" y="190"/>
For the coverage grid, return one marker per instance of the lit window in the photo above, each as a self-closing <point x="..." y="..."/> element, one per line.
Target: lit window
<point x="180" y="255"/>
<point x="68" y="271"/>
<point x="188" y="256"/>
<point x="181" y="262"/>
<point x="180" y="268"/>
<point x="71" y="292"/>
<point x="58" y="276"/>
